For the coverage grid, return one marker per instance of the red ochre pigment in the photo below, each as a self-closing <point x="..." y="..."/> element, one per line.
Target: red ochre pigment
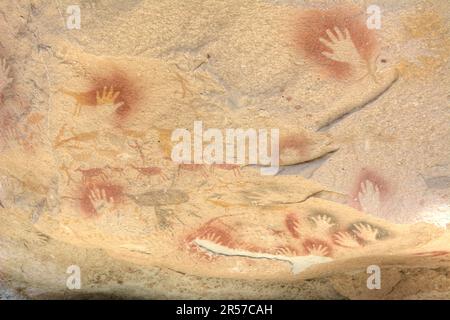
<point x="291" y="222"/>
<point x="111" y="77"/>
<point x="309" y="244"/>
<point x="113" y="192"/>
<point x="374" y="178"/>
<point x="310" y="25"/>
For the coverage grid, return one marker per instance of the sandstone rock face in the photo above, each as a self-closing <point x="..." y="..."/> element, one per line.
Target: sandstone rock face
<point x="96" y="99"/>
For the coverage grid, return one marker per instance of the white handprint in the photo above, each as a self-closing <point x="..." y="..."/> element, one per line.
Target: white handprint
<point x="100" y="201"/>
<point x="296" y="226"/>
<point x="212" y="237"/>
<point x="345" y="239"/>
<point x="369" y="197"/>
<point x="343" y="50"/>
<point x="323" y="223"/>
<point x="286" y="251"/>
<point x="317" y="250"/>
<point x="366" y="232"/>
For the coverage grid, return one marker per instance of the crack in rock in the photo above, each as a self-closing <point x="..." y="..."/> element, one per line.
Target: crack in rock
<point x="298" y="263"/>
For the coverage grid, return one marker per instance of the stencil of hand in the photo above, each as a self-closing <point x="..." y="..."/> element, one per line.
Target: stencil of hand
<point x="317" y="250"/>
<point x="366" y="232"/>
<point x="345" y="239"/>
<point x="100" y="201"/>
<point x="342" y="47"/>
<point x="369" y="197"/>
<point x="323" y="223"/>
<point x="285" y="251"/>
<point x="108" y="97"/>
<point x="211" y="236"/>
<point x="296" y="226"/>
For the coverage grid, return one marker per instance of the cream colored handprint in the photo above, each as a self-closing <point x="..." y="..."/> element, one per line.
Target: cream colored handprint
<point x="323" y="223"/>
<point x="211" y="236"/>
<point x="344" y="50"/>
<point x="108" y="97"/>
<point x="369" y="197"/>
<point x="318" y="250"/>
<point x="4" y="75"/>
<point x="296" y="226"/>
<point x="286" y="251"/>
<point x="345" y="239"/>
<point x="100" y="201"/>
<point x="366" y="232"/>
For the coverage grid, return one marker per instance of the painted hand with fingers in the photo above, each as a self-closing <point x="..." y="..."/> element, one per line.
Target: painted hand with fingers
<point x="366" y="232"/>
<point x="323" y="223"/>
<point x="4" y="75"/>
<point x="318" y="250"/>
<point x="100" y="200"/>
<point x="345" y="239"/>
<point x="108" y="97"/>
<point x="286" y="251"/>
<point x="369" y="197"/>
<point x="296" y="226"/>
<point x="342" y="47"/>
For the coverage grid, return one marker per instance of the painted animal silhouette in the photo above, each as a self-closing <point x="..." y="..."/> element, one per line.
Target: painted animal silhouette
<point x="193" y="167"/>
<point x="227" y="167"/>
<point x="90" y="174"/>
<point x="150" y="172"/>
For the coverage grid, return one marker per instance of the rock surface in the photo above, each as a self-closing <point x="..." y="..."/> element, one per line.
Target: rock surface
<point x="87" y="176"/>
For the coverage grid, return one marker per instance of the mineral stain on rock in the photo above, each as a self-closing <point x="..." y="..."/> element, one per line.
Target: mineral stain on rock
<point x="441" y="182"/>
<point x="160" y="198"/>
